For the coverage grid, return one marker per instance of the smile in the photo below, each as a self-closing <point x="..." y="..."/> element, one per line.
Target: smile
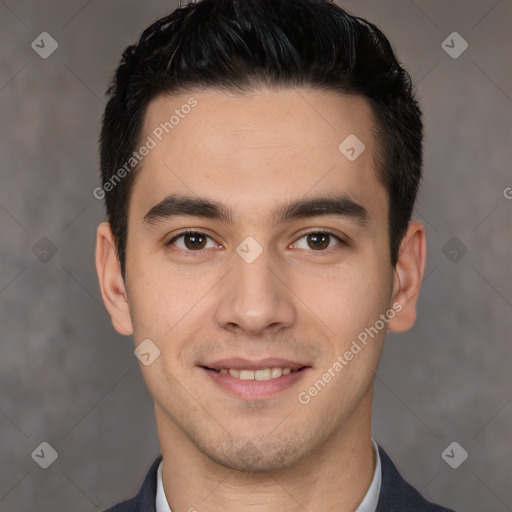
<point x="261" y="374"/>
<point x="255" y="383"/>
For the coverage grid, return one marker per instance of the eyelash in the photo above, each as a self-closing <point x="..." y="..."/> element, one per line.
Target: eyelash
<point x="193" y="254"/>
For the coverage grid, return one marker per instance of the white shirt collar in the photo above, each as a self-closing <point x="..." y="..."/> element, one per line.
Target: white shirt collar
<point x="369" y="503"/>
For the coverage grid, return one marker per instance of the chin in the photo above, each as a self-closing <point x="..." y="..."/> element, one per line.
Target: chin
<point x="251" y="460"/>
<point x="255" y="456"/>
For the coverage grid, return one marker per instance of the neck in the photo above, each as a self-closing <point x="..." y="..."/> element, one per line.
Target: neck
<point x="336" y="477"/>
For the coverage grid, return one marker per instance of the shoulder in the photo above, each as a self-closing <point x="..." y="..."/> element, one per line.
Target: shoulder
<point x="145" y="498"/>
<point x="397" y="495"/>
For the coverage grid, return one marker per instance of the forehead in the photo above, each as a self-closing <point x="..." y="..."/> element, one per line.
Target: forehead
<point x="255" y="148"/>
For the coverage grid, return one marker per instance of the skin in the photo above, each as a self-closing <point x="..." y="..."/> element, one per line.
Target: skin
<point x="294" y="301"/>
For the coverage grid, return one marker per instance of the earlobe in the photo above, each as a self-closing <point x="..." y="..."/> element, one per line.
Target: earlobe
<point x="111" y="281"/>
<point x="408" y="276"/>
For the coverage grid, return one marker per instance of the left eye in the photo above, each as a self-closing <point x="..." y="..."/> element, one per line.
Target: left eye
<point x="319" y="240"/>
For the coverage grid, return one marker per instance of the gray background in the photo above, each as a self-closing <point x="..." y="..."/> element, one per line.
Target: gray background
<point x="69" y="379"/>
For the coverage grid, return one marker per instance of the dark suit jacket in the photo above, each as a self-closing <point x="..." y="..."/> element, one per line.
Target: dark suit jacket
<point x="396" y="495"/>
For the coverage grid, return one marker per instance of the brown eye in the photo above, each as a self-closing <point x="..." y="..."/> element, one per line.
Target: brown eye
<point x="190" y="241"/>
<point x="319" y="241"/>
<point x="194" y="241"/>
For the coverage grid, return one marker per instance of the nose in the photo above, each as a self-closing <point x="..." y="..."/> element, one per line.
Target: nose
<point x="255" y="297"/>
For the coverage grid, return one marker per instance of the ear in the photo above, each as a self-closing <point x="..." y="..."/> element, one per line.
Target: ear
<point x="408" y="276"/>
<point x="111" y="281"/>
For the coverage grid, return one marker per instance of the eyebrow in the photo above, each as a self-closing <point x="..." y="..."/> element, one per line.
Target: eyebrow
<point x="332" y="204"/>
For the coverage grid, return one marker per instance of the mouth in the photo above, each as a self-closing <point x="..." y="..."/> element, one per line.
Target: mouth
<point x="261" y="374"/>
<point x="255" y="380"/>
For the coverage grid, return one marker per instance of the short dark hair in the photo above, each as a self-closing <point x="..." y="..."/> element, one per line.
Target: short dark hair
<point x="242" y="45"/>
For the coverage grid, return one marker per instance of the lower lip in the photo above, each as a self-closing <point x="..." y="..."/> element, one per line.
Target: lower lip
<point x="255" y="389"/>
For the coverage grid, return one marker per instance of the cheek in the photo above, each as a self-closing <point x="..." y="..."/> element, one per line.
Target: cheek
<point x="155" y="300"/>
<point x="168" y="302"/>
<point x="349" y="299"/>
<point x="351" y="307"/>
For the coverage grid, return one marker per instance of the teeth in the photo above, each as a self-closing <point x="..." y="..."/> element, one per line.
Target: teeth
<point x="276" y="372"/>
<point x="246" y="374"/>
<point x="263" y="374"/>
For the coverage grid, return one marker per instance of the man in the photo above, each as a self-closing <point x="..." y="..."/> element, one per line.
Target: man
<point x="260" y="161"/>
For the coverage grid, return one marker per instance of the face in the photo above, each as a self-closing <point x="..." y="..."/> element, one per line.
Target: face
<point x="256" y="247"/>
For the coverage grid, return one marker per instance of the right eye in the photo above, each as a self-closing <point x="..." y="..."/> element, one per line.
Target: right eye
<point x="192" y="242"/>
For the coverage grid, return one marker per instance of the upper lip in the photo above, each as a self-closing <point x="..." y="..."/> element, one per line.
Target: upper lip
<point x="238" y="363"/>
